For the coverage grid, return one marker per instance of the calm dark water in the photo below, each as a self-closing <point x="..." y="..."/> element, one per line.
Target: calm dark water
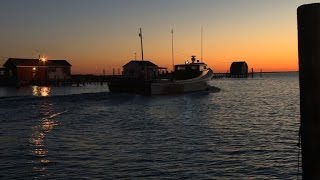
<point x="248" y="130"/>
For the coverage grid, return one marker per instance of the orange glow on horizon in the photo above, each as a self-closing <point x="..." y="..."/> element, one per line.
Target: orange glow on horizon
<point x="258" y="32"/>
<point x="219" y="65"/>
<point x="278" y="53"/>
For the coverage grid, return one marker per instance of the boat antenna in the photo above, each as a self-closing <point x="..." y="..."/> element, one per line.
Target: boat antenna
<point x="201" y="40"/>
<point x="172" y="49"/>
<point x="140" y="35"/>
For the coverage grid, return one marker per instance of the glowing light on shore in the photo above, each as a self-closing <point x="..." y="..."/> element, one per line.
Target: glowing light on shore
<point x="43" y="59"/>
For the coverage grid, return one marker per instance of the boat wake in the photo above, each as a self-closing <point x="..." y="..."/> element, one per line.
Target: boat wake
<point x="213" y="89"/>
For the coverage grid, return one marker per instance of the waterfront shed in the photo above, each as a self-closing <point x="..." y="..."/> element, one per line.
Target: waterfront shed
<point x="140" y="69"/>
<point x="2" y="71"/>
<point x="239" y="69"/>
<point x="21" y="70"/>
<point x="2" y="77"/>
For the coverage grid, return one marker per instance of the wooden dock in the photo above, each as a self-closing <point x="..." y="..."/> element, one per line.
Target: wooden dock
<point x="228" y="75"/>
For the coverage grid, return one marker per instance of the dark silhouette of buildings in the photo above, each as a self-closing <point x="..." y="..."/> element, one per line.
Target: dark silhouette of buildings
<point x="21" y="71"/>
<point x="239" y="69"/>
<point x="140" y="69"/>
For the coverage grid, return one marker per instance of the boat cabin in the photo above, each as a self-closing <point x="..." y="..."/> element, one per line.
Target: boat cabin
<point x="189" y="69"/>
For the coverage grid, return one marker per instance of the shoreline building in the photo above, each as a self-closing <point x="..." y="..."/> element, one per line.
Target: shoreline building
<point x="20" y="71"/>
<point x="239" y="69"/>
<point x="140" y="69"/>
<point x="2" y="76"/>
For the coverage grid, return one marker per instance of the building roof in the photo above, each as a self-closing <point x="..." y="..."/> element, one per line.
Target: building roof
<point x="239" y="68"/>
<point x="36" y="62"/>
<point x="238" y="63"/>
<point x="142" y="63"/>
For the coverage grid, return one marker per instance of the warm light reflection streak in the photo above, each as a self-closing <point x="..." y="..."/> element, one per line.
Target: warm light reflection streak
<point x="39" y="133"/>
<point x="41" y="91"/>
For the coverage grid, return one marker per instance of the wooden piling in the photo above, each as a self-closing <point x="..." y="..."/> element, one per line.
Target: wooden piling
<point x="252" y="72"/>
<point x="309" y="76"/>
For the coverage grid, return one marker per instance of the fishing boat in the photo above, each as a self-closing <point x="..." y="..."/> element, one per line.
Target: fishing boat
<point x="188" y="77"/>
<point x="144" y="77"/>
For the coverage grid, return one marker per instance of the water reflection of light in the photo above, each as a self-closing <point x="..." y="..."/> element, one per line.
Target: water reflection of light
<point x="41" y="90"/>
<point x="39" y="133"/>
<point x="37" y="140"/>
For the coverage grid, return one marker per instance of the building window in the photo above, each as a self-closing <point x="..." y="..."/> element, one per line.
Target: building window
<point x="65" y="70"/>
<point x="51" y="70"/>
<point x="194" y="67"/>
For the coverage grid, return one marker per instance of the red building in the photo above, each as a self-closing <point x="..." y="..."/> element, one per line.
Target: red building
<point x="24" y="71"/>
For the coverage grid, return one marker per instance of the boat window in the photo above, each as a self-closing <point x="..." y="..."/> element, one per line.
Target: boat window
<point x="194" y="67"/>
<point x="181" y="68"/>
<point x="204" y="67"/>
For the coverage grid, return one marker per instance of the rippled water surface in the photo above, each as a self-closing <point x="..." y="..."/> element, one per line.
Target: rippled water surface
<point x="247" y="130"/>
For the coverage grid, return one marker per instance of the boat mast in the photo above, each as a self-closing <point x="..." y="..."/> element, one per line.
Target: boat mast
<point x="172" y="49"/>
<point x="140" y="35"/>
<point x="201" y="41"/>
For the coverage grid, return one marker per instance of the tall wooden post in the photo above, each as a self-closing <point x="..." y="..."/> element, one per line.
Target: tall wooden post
<point x="252" y="72"/>
<point x="309" y="74"/>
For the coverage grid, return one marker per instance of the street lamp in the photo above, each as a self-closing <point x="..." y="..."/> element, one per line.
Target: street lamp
<point x="43" y="59"/>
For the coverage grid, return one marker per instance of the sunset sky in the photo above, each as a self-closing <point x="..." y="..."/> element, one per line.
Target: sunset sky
<point x="103" y="34"/>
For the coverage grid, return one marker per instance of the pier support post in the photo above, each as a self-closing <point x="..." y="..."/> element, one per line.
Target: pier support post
<point x="252" y="72"/>
<point x="309" y="75"/>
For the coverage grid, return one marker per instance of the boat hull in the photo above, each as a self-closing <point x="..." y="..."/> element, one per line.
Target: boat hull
<point x="132" y="86"/>
<point x="161" y="87"/>
<point x="183" y="86"/>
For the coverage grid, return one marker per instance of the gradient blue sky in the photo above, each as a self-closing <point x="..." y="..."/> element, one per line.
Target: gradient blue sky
<point x="103" y="34"/>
